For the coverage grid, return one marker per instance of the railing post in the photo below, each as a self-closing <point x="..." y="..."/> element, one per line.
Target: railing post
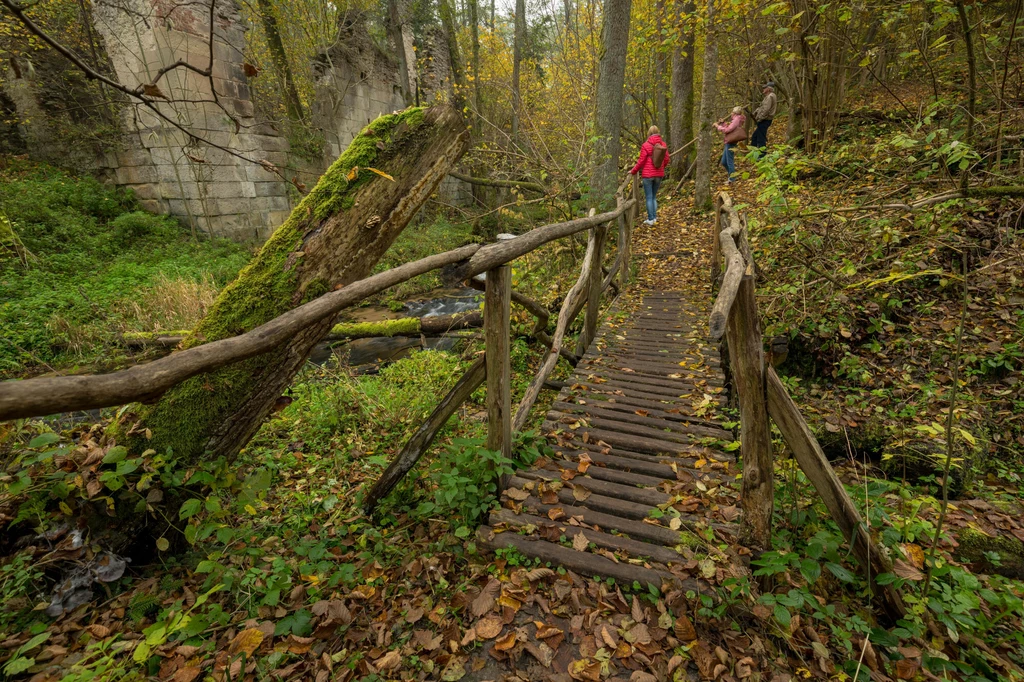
<point x="497" y="312"/>
<point x="597" y="233"/>
<point x="625" y="226"/>
<point x="716" y="249"/>
<point x="746" y="360"/>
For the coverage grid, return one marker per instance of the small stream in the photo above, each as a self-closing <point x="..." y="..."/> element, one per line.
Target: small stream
<point x="365" y="355"/>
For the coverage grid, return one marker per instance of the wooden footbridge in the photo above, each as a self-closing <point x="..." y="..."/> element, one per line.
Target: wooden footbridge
<point x="634" y="444"/>
<point x="644" y="462"/>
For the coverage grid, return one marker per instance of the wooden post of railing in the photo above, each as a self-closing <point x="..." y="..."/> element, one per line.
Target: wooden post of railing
<point x="634" y="213"/>
<point x="497" y="312"/>
<point x="746" y="359"/>
<point x="593" y="292"/>
<point x="624" y="237"/>
<point x="716" y="251"/>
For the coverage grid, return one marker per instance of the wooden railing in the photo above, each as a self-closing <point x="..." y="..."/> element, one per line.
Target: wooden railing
<point x="761" y="394"/>
<point x="147" y="382"/>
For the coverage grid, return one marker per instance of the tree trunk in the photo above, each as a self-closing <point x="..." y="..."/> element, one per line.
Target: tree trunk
<point x="401" y="36"/>
<point x="474" y="32"/>
<point x="682" y="94"/>
<point x="660" y="92"/>
<point x="333" y="238"/>
<point x="292" y="102"/>
<point x="608" y="120"/>
<point x="454" y="56"/>
<point x="972" y="89"/>
<point x="517" y="56"/>
<point x="705" y="143"/>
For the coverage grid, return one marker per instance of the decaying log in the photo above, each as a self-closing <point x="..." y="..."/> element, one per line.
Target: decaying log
<point x="490" y="182"/>
<point x="331" y="240"/>
<point x="432" y="325"/>
<point x="815" y="466"/>
<point x="414" y="449"/>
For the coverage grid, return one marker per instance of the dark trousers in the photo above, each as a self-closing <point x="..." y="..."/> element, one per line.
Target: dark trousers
<point x="760" y="137"/>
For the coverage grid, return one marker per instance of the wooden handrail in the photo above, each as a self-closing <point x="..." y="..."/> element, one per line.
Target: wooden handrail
<point x="147" y="382"/>
<point x="762" y="394"/>
<point x="47" y="395"/>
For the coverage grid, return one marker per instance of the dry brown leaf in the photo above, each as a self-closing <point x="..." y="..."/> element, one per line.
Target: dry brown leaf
<point x="539" y="573"/>
<point x="706" y="663"/>
<point x="580" y="542"/>
<point x="684" y="629"/>
<point x="489" y="627"/>
<point x="556" y="513"/>
<point x="186" y="674"/>
<point x="246" y="641"/>
<point x="153" y="90"/>
<point x="506" y="642"/>
<point x="585" y="669"/>
<point x="388" y="661"/>
<point x="584" y="464"/>
<point x="904" y="570"/>
<point x="485" y="601"/>
<point x="580" y="493"/>
<point x="906" y="669"/>
<point x="517" y="494"/>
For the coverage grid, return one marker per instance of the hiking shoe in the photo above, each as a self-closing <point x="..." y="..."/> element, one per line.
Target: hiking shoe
<point x="649" y="222"/>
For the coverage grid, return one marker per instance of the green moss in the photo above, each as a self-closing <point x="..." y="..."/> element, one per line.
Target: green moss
<point x="403" y="327"/>
<point x="691" y="540"/>
<point x="979" y="548"/>
<point x="149" y="336"/>
<point x="265" y="289"/>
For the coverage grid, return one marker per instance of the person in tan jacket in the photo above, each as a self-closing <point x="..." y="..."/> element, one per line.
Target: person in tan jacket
<point x="763" y="116"/>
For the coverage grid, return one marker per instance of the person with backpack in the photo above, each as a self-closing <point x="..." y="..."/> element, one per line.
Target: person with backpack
<point x="651" y="165"/>
<point x="734" y="132"/>
<point x="763" y="116"/>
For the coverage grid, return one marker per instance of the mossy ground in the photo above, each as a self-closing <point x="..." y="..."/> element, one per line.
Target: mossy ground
<point x="91" y="262"/>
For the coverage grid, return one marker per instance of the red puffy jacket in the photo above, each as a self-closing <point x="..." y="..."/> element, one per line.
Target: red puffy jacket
<point x="645" y="164"/>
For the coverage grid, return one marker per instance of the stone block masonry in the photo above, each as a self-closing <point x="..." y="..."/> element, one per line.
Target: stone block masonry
<point x="207" y="184"/>
<point x="199" y="157"/>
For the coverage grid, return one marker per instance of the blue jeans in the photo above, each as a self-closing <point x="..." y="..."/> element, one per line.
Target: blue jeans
<point x="651" y="186"/>
<point x="760" y="136"/>
<point x="727" y="159"/>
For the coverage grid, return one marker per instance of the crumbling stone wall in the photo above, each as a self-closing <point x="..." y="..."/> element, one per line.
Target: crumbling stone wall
<point x="355" y="83"/>
<point x="211" y="179"/>
<point x="203" y="156"/>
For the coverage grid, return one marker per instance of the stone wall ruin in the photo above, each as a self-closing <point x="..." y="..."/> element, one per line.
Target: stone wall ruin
<point x="204" y="156"/>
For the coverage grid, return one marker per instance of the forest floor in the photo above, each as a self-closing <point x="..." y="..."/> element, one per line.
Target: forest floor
<point x="288" y="579"/>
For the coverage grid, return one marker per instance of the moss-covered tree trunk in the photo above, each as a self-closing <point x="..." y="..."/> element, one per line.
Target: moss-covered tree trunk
<point x="333" y="237"/>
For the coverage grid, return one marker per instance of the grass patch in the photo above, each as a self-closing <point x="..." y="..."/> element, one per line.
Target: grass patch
<point x="419" y="241"/>
<point x="98" y="267"/>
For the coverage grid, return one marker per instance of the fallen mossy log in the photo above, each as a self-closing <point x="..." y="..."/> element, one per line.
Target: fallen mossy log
<point x="490" y="182"/>
<point x="332" y="239"/>
<point x="168" y="339"/>
<point x="433" y="325"/>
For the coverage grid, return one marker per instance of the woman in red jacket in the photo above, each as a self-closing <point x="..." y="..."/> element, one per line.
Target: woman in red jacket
<point x="651" y="173"/>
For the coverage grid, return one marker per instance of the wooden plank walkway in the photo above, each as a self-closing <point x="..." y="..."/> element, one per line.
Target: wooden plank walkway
<point x="641" y="475"/>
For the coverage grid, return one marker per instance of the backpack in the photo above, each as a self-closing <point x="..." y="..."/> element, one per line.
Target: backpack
<point x="658" y="155"/>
